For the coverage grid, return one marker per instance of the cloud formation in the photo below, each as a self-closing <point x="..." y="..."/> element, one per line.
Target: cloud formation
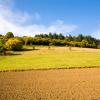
<point x="96" y="34"/>
<point x="17" y="22"/>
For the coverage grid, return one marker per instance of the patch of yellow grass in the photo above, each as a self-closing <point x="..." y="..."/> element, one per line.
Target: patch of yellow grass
<point x="55" y="57"/>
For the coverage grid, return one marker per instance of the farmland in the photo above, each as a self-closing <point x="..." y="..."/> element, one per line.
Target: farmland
<point x="55" y="57"/>
<point x="62" y="84"/>
<point x="49" y="50"/>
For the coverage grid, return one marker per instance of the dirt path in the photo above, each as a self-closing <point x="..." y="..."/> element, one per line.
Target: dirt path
<point x="69" y="84"/>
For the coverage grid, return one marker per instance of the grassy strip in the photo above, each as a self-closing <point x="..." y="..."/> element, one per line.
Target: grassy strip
<point x="53" y="58"/>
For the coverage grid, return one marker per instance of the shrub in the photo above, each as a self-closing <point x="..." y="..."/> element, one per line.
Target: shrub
<point x="14" y="44"/>
<point x="2" y="48"/>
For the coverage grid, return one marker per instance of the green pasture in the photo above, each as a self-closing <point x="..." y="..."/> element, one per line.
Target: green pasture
<point x="54" y="57"/>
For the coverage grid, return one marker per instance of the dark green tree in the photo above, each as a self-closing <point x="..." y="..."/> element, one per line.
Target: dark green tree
<point x="79" y="38"/>
<point x="9" y="35"/>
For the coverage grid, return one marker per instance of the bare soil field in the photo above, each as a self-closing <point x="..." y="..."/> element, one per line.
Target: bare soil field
<point x="62" y="84"/>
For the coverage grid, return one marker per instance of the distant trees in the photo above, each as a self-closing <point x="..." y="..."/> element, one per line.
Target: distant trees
<point x="51" y="36"/>
<point x="60" y="40"/>
<point x="15" y="43"/>
<point x="69" y="38"/>
<point x="79" y="38"/>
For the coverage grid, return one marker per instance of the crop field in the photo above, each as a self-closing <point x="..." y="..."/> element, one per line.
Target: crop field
<point x="62" y="84"/>
<point x="55" y="57"/>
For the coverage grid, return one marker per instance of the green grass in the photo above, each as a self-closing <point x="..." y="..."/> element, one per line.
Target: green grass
<point x="56" y="57"/>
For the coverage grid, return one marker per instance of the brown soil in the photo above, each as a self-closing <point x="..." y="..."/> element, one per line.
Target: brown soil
<point x="67" y="84"/>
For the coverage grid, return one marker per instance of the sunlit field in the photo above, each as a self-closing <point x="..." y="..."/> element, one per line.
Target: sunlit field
<point x="54" y="57"/>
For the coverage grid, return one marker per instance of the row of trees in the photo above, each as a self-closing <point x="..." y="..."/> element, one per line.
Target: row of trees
<point x="11" y="42"/>
<point x="61" y="40"/>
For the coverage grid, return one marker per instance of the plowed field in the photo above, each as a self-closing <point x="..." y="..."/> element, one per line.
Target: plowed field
<point x="62" y="84"/>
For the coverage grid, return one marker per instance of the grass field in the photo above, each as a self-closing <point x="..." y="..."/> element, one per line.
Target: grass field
<point x="55" y="57"/>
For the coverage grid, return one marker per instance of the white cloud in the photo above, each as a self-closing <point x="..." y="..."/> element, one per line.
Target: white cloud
<point x="12" y="15"/>
<point x="96" y="34"/>
<point x="16" y="21"/>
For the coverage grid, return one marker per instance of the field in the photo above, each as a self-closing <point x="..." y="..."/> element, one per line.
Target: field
<point x="55" y="57"/>
<point x="62" y="84"/>
<point x="54" y="83"/>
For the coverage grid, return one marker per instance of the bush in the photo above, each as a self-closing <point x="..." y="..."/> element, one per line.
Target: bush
<point x="2" y="48"/>
<point x="14" y="44"/>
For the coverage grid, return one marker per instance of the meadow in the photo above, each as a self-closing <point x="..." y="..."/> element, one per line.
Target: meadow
<point x="55" y="57"/>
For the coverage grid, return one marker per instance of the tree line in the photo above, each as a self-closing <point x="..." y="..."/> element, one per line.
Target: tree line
<point x="61" y="40"/>
<point x="11" y="42"/>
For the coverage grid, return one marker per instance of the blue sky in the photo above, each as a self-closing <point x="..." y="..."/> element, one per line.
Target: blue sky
<point x="37" y="16"/>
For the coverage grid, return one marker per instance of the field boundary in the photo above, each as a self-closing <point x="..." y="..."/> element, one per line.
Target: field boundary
<point x="22" y="70"/>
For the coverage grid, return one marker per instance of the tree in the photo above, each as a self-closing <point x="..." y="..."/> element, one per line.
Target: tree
<point x="69" y="38"/>
<point x="84" y="43"/>
<point x="28" y="40"/>
<point x="89" y="39"/>
<point x="55" y="36"/>
<point x="79" y="37"/>
<point x="9" y="35"/>
<point x="14" y="44"/>
<point x="50" y="35"/>
<point x="1" y="35"/>
<point x="2" y="48"/>
<point x="61" y="36"/>
<point x="25" y="39"/>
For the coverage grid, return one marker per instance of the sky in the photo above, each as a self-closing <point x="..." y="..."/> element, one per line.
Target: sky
<point x="30" y="17"/>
